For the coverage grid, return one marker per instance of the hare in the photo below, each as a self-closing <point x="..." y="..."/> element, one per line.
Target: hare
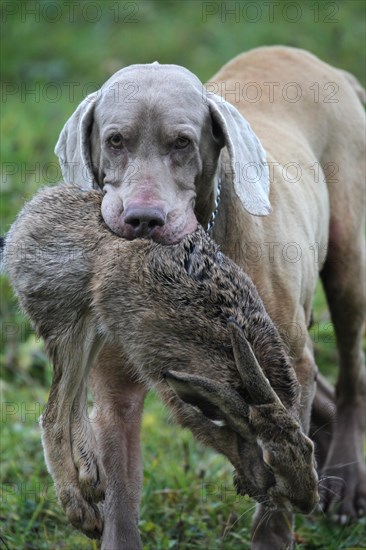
<point x="192" y="326"/>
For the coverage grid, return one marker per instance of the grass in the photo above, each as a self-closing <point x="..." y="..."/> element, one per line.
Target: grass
<point x="188" y="501"/>
<point x="188" y="498"/>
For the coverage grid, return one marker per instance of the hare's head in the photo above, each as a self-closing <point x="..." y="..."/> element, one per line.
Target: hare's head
<point x="273" y="458"/>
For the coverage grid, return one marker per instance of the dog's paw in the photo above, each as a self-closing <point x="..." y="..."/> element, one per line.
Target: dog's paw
<point x="343" y="491"/>
<point x="83" y="515"/>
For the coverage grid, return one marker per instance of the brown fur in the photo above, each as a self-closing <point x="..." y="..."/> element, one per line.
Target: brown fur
<point x="171" y="309"/>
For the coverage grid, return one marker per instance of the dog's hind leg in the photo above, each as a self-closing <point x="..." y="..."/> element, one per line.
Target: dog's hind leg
<point x="343" y="277"/>
<point x="322" y="419"/>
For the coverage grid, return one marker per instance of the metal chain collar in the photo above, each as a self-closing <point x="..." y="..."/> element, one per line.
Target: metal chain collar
<point x="216" y="209"/>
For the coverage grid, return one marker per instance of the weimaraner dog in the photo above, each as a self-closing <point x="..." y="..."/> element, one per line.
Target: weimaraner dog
<point x="283" y="197"/>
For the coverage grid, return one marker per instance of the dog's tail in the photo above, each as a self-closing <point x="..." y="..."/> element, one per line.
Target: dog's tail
<point x="356" y="85"/>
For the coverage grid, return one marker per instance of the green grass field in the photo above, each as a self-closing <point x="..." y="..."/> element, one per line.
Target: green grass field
<point x="52" y="54"/>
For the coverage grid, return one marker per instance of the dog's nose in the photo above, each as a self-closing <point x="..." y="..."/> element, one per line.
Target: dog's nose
<point x="144" y="220"/>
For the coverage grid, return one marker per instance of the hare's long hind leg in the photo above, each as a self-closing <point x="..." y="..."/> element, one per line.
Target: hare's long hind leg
<point x="64" y="425"/>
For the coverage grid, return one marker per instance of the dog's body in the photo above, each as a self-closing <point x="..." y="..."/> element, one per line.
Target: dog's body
<point x="324" y="219"/>
<point x="322" y="214"/>
<point x="172" y="137"/>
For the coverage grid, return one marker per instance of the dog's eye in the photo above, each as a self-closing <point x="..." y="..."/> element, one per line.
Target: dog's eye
<point x="116" y="141"/>
<point x="181" y="143"/>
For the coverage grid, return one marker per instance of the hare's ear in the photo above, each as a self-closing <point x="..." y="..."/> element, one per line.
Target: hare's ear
<point x="197" y="392"/>
<point x="249" y="170"/>
<point x="216" y="401"/>
<point x="73" y="145"/>
<point x="252" y="376"/>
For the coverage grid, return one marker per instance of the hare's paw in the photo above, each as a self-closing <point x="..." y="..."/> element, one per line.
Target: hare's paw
<point x="92" y="478"/>
<point x="91" y="475"/>
<point x="90" y="471"/>
<point x="83" y="515"/>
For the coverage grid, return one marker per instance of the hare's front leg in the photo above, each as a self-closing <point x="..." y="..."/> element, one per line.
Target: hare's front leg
<point x="91" y="474"/>
<point x="69" y="444"/>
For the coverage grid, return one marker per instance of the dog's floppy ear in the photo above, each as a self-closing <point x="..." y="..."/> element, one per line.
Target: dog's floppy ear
<point x="249" y="171"/>
<point x="73" y="145"/>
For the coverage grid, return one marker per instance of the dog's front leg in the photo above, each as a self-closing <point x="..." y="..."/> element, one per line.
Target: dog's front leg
<point x="271" y="530"/>
<point x="118" y="404"/>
